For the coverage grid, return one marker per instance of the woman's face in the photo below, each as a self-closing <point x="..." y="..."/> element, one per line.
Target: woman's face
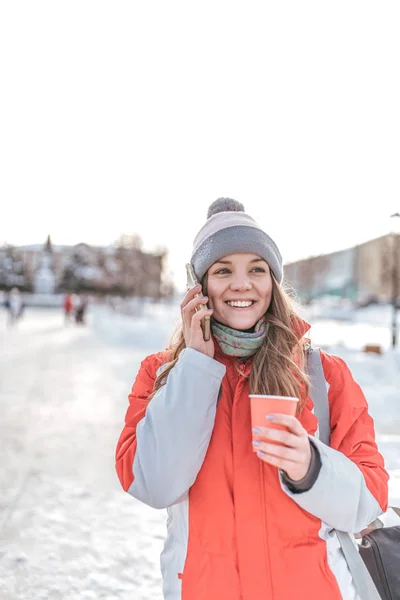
<point x="239" y="289"/>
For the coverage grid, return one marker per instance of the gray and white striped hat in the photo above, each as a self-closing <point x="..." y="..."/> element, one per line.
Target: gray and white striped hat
<point x="229" y="230"/>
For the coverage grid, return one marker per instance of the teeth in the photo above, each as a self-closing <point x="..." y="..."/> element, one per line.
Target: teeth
<point x="240" y="303"/>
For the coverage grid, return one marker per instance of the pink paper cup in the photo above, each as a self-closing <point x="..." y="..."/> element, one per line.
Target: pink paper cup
<point x="263" y="405"/>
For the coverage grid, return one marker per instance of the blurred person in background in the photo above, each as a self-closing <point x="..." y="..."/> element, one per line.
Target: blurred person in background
<point x="68" y="306"/>
<point x="14" y="305"/>
<point x="248" y="517"/>
<point x="81" y="308"/>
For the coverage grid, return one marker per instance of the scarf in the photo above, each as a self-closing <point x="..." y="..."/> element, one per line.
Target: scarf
<point x="239" y="343"/>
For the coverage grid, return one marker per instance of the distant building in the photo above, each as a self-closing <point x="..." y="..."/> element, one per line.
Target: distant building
<point x="363" y="273"/>
<point x="52" y="268"/>
<point x="43" y="279"/>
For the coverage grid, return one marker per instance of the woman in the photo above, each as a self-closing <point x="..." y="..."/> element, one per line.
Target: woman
<point x="247" y="525"/>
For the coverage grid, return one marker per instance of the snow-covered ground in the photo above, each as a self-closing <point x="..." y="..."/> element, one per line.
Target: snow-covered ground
<point x="67" y="531"/>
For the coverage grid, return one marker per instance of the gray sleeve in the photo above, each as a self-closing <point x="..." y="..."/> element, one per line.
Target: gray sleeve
<point x="339" y="496"/>
<point x="305" y="484"/>
<point x="173" y="436"/>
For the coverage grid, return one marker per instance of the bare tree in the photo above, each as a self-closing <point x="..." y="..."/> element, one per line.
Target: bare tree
<point x="130" y="241"/>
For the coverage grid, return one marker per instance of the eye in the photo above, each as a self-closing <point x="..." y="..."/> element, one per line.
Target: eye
<point x="222" y="271"/>
<point x="259" y="270"/>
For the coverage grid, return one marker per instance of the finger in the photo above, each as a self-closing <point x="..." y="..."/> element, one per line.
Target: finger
<point x="198" y="316"/>
<point x="189" y="310"/>
<point x="193" y="305"/>
<point x="289" y="421"/>
<point x="279" y="451"/>
<point x="190" y="294"/>
<point x="196" y="302"/>
<point x="282" y="436"/>
<point x="281" y="463"/>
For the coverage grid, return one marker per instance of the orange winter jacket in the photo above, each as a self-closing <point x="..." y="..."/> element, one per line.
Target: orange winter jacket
<point x="235" y="531"/>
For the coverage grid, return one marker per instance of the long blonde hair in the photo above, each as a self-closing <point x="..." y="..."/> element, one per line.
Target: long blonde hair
<point x="278" y="366"/>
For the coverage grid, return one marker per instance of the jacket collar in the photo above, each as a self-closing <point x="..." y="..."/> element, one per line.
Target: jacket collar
<point x="300" y="327"/>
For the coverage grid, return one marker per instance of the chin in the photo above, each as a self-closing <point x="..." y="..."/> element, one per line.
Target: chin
<point x="242" y="326"/>
<point x="239" y="322"/>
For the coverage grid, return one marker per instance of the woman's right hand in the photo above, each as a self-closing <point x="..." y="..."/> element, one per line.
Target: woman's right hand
<point x="191" y="321"/>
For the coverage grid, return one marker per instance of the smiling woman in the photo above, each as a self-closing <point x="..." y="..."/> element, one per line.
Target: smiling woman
<point x="248" y="506"/>
<point x="239" y="288"/>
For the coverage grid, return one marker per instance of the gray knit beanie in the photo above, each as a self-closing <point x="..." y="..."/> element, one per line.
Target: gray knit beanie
<point x="229" y="230"/>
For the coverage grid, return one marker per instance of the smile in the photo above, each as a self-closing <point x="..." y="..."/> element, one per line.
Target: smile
<point x="240" y="303"/>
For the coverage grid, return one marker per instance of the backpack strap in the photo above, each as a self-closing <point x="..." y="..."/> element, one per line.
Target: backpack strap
<point x="319" y="395"/>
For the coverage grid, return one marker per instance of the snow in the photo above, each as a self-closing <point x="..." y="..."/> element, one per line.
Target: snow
<point x="67" y="530"/>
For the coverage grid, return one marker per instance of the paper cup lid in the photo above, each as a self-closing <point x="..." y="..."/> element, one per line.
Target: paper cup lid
<point x="291" y="398"/>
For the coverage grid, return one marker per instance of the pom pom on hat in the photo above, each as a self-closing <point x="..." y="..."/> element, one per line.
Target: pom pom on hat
<point x="224" y="205"/>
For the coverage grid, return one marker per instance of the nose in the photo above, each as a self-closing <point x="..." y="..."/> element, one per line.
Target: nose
<point x="241" y="284"/>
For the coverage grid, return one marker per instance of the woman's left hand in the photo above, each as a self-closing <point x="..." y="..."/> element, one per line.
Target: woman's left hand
<point x="293" y="454"/>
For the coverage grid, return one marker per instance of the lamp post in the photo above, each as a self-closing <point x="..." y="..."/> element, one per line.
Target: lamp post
<point x="395" y="275"/>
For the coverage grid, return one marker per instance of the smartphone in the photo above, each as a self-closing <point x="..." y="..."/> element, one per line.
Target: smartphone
<point x="192" y="281"/>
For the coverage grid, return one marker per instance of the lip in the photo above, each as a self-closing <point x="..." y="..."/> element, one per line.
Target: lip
<point x="240" y="300"/>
